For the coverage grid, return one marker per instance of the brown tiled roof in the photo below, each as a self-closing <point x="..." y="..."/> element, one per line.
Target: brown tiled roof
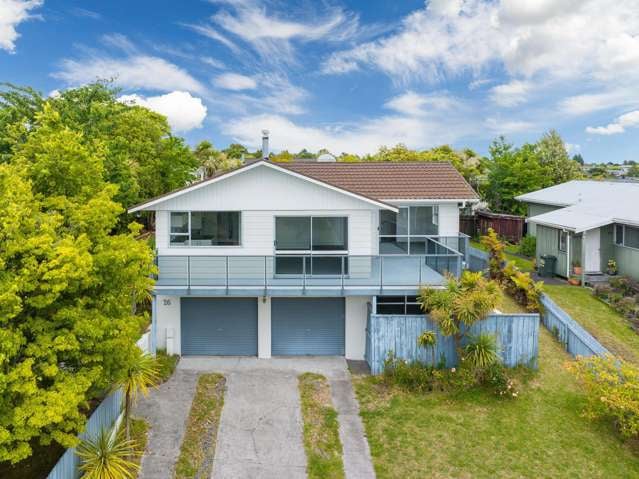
<point x="390" y="181"/>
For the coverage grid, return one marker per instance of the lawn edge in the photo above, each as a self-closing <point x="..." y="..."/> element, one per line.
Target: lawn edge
<point x="320" y="428"/>
<point x="203" y="422"/>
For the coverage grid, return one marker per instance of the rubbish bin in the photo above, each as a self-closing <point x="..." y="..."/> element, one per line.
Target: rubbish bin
<point x="547" y="265"/>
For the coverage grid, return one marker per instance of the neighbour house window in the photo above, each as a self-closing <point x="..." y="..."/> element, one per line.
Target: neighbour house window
<point x="398" y="305"/>
<point x="563" y="241"/>
<point x="205" y="228"/>
<point x="405" y="232"/>
<point x="627" y="236"/>
<point x="313" y="245"/>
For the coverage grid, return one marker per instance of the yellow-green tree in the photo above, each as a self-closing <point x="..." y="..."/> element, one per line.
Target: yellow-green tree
<point x="67" y="285"/>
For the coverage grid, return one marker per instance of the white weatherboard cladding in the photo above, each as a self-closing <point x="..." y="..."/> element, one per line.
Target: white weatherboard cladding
<point x="263" y="189"/>
<point x="258" y="233"/>
<point x="448" y="219"/>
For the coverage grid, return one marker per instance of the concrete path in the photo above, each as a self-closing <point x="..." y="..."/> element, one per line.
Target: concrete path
<point x="166" y="409"/>
<point x="260" y="432"/>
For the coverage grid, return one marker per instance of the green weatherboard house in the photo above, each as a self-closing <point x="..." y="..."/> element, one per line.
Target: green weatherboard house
<point x="587" y="223"/>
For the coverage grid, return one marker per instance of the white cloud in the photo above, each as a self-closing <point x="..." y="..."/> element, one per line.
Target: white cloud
<point x="271" y="34"/>
<point x="591" y="102"/>
<point x="85" y="13"/>
<point x="511" y="94"/>
<point x="135" y="71"/>
<point x="235" y="81"/>
<point x="183" y="111"/>
<point x="621" y="123"/>
<point x="212" y="62"/>
<point x="559" y="40"/>
<point x="12" y="13"/>
<point x="119" y="41"/>
<point x="415" y="104"/>
<point x="500" y="126"/>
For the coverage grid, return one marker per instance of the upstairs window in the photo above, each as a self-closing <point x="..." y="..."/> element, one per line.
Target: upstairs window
<point x="405" y="232"/>
<point x="205" y="228"/>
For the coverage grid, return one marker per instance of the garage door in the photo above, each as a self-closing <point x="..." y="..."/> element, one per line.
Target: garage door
<point x="313" y="326"/>
<point x="219" y="326"/>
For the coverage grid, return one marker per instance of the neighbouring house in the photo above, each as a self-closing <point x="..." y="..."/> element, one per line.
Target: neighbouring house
<point x="289" y="258"/>
<point x="587" y="223"/>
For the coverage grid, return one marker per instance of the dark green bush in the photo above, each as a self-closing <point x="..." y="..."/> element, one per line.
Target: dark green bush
<point x="528" y="246"/>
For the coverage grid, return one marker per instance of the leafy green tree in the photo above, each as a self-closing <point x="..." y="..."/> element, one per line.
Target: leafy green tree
<point x="140" y="155"/>
<point x="553" y="156"/>
<point x="68" y="286"/>
<point x="304" y="154"/>
<point x="235" y="150"/>
<point x="212" y="161"/>
<point x="512" y="172"/>
<point x="578" y="158"/>
<point x="283" y="156"/>
<point x="349" y="158"/>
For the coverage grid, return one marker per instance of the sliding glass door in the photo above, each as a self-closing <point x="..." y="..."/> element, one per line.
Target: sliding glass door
<point x="406" y="232"/>
<point x="313" y="245"/>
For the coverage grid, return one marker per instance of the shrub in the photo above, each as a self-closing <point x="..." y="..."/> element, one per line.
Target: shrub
<point x="613" y="391"/>
<point x="414" y="376"/>
<point x="496" y="256"/>
<point x="528" y="246"/>
<point x="498" y="377"/>
<point x="622" y="285"/>
<point x="481" y="351"/>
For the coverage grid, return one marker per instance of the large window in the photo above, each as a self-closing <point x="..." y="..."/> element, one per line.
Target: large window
<point x="627" y="236"/>
<point x="313" y="245"/>
<point x="405" y="232"/>
<point x="205" y="228"/>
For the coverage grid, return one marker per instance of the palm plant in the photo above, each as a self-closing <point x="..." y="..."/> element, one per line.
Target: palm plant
<point x="428" y="339"/>
<point x="481" y="351"/>
<point x="142" y="373"/>
<point x="108" y="456"/>
<point x="460" y="304"/>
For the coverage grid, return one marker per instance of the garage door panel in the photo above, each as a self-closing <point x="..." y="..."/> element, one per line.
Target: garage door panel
<point x="307" y="326"/>
<point x="219" y="326"/>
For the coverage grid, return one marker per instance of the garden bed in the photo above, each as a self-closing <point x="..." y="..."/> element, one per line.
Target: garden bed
<point x="622" y="294"/>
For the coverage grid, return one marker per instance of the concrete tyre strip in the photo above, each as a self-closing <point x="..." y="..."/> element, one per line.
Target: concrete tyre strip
<point x="166" y="410"/>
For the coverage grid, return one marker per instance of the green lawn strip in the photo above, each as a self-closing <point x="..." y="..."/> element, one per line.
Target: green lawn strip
<point x="476" y="434"/>
<point x="524" y="264"/>
<point x="139" y="432"/>
<point x="321" y="428"/>
<point x="198" y="444"/>
<point x="609" y="327"/>
<point x="167" y="364"/>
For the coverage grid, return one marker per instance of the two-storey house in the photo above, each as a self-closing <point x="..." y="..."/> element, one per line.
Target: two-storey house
<point x="288" y="258"/>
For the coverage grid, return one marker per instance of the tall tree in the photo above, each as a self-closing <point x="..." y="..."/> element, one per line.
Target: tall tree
<point x="140" y="155"/>
<point x="67" y="285"/>
<point x="212" y="161"/>
<point x="578" y="158"/>
<point x="235" y="150"/>
<point x="512" y="172"/>
<point x="553" y="156"/>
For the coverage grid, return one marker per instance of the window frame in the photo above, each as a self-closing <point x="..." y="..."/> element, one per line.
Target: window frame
<point x="405" y="303"/>
<point x="562" y="234"/>
<point x="188" y="235"/>
<point x="623" y="244"/>
<point x="310" y="251"/>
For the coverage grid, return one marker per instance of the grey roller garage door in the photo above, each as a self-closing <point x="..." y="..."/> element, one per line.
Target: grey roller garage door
<point x="307" y="326"/>
<point x="219" y="326"/>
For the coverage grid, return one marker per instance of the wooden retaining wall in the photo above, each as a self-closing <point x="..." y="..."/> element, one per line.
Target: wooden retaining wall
<point x="576" y="340"/>
<point x="517" y="337"/>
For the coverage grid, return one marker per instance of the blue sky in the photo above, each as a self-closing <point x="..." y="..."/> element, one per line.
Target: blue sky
<point x="349" y="75"/>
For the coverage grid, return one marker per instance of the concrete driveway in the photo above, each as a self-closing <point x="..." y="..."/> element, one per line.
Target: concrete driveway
<point x="260" y="432"/>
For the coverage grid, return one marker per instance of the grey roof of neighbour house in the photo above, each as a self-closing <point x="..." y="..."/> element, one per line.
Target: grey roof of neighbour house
<point x="587" y="204"/>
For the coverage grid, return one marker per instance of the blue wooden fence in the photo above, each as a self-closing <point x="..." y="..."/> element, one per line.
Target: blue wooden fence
<point x="104" y="416"/>
<point x="477" y="259"/>
<point x="568" y="332"/>
<point x="517" y="336"/>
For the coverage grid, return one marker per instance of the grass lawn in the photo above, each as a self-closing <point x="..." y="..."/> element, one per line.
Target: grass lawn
<point x="477" y="435"/>
<point x="524" y="264"/>
<point x="321" y="428"/>
<point x="609" y="327"/>
<point x="198" y="445"/>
